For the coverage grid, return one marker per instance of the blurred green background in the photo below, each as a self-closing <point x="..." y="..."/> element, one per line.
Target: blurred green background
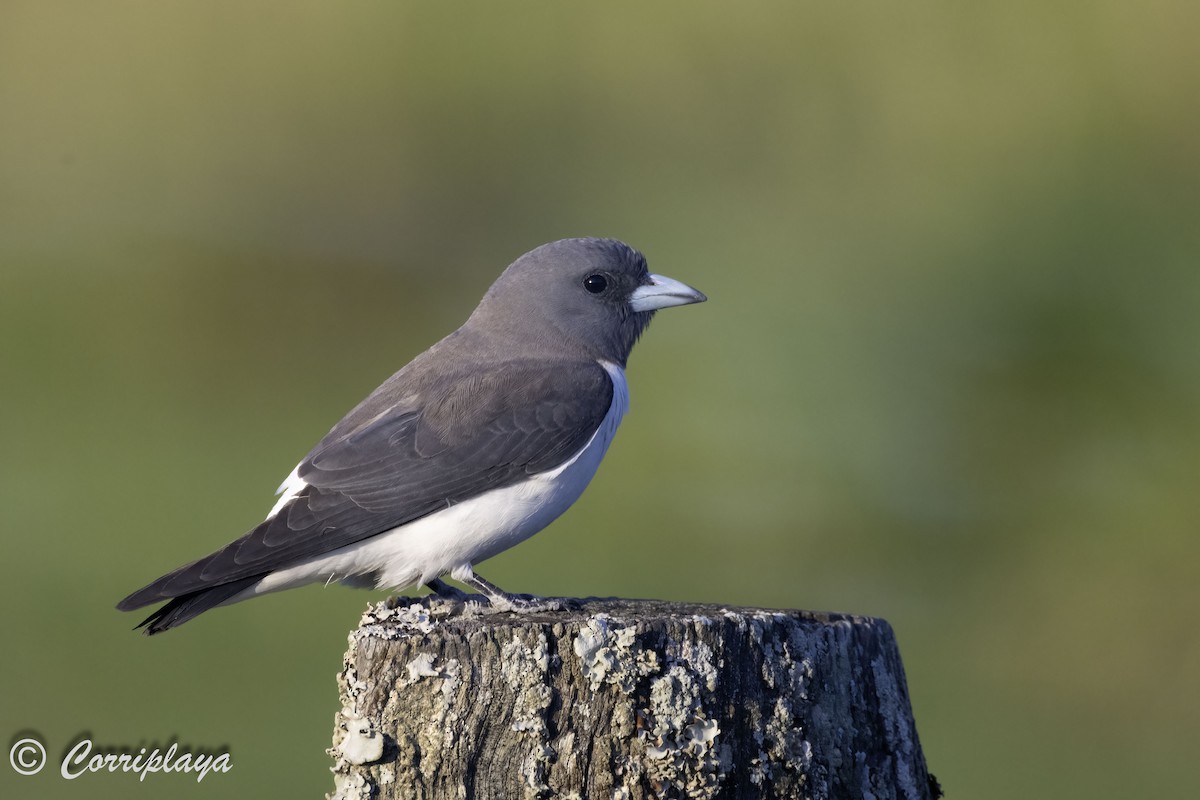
<point x="949" y="373"/>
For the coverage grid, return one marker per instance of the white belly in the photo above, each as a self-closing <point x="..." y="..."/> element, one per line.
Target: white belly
<point x="463" y="534"/>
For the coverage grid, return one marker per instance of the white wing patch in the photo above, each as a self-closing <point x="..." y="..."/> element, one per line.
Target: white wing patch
<point x="287" y="491"/>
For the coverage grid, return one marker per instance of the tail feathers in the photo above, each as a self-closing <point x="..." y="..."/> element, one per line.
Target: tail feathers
<point x="185" y="607"/>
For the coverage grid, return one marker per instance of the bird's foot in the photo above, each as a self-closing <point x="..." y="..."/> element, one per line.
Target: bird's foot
<point x="532" y="604"/>
<point x="500" y="600"/>
<point x="450" y="601"/>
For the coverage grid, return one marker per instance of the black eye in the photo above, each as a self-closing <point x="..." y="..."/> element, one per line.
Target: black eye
<point x="595" y="283"/>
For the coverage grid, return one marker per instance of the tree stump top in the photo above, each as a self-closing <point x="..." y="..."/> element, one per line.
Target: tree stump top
<point x="623" y="699"/>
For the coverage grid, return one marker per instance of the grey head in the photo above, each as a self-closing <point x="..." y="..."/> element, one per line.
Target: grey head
<point x="577" y="297"/>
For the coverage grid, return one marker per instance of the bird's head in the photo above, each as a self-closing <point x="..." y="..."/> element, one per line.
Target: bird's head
<point x="592" y="296"/>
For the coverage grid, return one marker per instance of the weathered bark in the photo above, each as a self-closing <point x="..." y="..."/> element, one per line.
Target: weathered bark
<point x="623" y="699"/>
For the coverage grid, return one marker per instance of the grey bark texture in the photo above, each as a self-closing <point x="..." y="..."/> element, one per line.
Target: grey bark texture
<point x="623" y="700"/>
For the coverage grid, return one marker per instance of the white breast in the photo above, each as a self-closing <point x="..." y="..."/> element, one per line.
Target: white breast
<point x="463" y="534"/>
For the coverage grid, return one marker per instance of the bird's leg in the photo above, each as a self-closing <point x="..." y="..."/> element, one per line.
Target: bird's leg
<point x="495" y="595"/>
<point x="446" y="591"/>
<point x="504" y="601"/>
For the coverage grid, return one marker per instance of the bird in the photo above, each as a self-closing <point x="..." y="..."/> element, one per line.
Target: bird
<point x="475" y="445"/>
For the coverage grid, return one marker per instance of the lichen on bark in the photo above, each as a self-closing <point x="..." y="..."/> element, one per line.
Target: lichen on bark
<point x="623" y="699"/>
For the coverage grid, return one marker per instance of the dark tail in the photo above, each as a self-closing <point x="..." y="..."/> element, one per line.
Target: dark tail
<point x="187" y="606"/>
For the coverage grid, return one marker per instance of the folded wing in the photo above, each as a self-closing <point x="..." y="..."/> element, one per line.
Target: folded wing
<point x="436" y="445"/>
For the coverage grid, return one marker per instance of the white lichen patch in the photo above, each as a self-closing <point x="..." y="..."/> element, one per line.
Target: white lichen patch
<point x="424" y="665"/>
<point x="784" y="739"/>
<point x="699" y="657"/>
<point x="683" y="756"/>
<point x="524" y="668"/>
<point x="434" y="698"/>
<point x="534" y="768"/>
<point x="610" y="654"/>
<point x="352" y="686"/>
<point x="388" y="620"/>
<point x="351" y="786"/>
<point x="356" y="740"/>
<point x="363" y="743"/>
<point x="788" y="671"/>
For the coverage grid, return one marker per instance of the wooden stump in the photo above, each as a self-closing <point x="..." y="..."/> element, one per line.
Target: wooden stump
<point x="623" y="699"/>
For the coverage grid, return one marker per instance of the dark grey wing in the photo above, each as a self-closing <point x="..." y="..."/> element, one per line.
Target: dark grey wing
<point x="471" y="433"/>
